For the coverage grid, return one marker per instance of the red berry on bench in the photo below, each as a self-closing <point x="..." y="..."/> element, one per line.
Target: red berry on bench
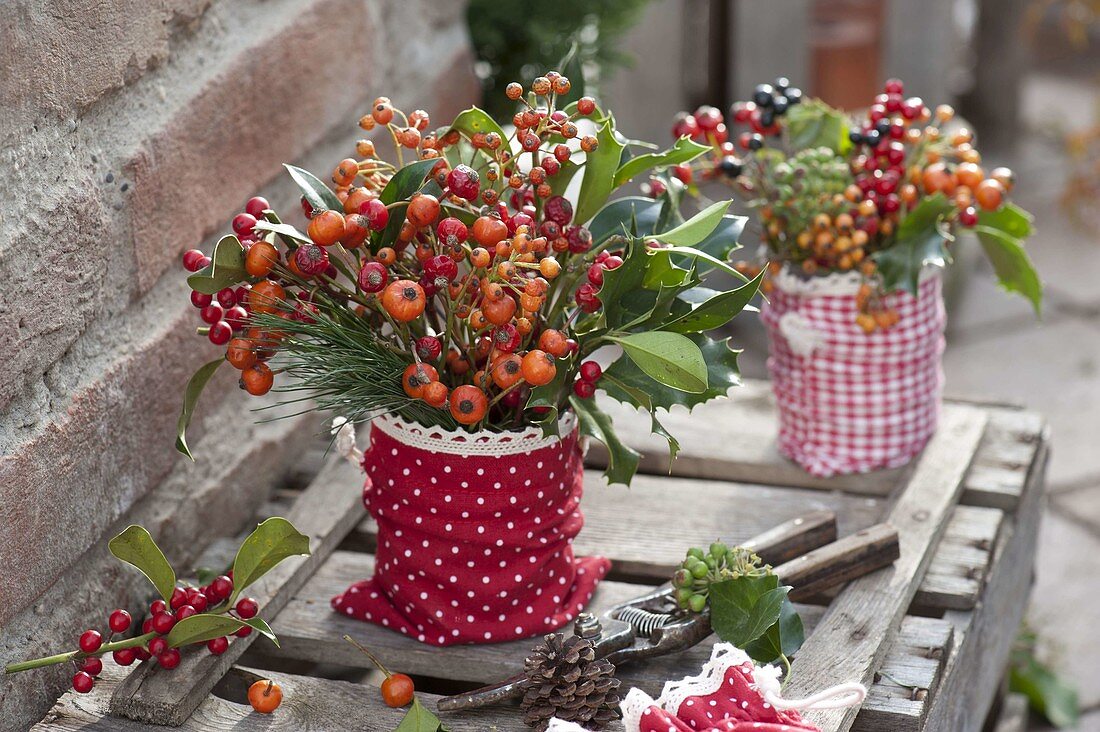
<point x="158" y="646"/>
<point x="90" y="641"/>
<point x="119" y="621"/>
<point x="170" y="658"/>
<point x="124" y="656"/>
<point x="92" y="665"/>
<point x="218" y="646"/>
<point x="83" y="682"/>
<point x="247" y="608"/>
<point x="163" y="622"/>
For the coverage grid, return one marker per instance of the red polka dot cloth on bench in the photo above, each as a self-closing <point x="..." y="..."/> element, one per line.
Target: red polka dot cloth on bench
<point x="475" y="534"/>
<point x="732" y="694"/>
<point x="849" y="401"/>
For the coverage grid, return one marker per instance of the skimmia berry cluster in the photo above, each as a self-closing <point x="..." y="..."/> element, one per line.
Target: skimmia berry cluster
<point x="881" y="194"/>
<point x="467" y="282"/>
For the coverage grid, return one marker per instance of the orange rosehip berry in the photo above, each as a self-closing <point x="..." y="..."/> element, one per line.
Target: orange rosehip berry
<point x="989" y="194"/>
<point x="261" y="258"/>
<point x="513" y="91"/>
<point x="416" y="377"/>
<point x="435" y="394"/>
<point x="538" y="367"/>
<point x="345" y="172"/>
<point x="468" y="404"/>
<point x="382" y="113"/>
<point x="969" y="175"/>
<point x="500" y="311"/>
<point x="326" y="228"/>
<point x="386" y="255"/>
<point x="266" y="297"/>
<point x="265" y="696"/>
<point x="404" y="300"/>
<point x="1004" y="176"/>
<point x="240" y="354"/>
<point x="422" y="210"/>
<point x="507" y="371"/>
<point x="553" y="342"/>
<point x="489" y="230"/>
<point x="479" y="257"/>
<point x="589" y="143"/>
<point x="257" y="379"/>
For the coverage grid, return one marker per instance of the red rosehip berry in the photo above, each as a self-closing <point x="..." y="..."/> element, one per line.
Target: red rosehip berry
<point x="124" y="656"/>
<point x="562" y="152"/>
<point x="591" y="372"/>
<point x="376" y="213"/>
<point x="550" y="165"/>
<point x="178" y="599"/>
<point x="90" y="641"/>
<point x="119" y="621"/>
<point x="92" y="665"/>
<point x="685" y="125"/>
<point x="451" y="232"/>
<point x="157" y="646"/>
<point x="83" y="682"/>
<point x="428" y="348"/>
<point x="595" y="274"/>
<point x="212" y="313"/>
<point x="163" y="622"/>
<point x="968" y="217"/>
<point x="894" y="86"/>
<point x="586" y="105"/>
<point x="708" y="118"/>
<point x="192" y="260"/>
<point x="586" y="299"/>
<point x="237" y="317"/>
<point x="200" y="299"/>
<point x="520" y="219"/>
<point x="243" y="223"/>
<point x="584" y="389"/>
<point x="441" y="269"/>
<point x="157" y="606"/>
<point x="169" y="659"/>
<point x="220" y="333"/>
<point x="311" y="259"/>
<point x="185" y="611"/>
<point x="373" y="277"/>
<point x="256" y="207"/>
<point x="464" y="182"/>
<point x="579" y="238"/>
<point x="196" y="599"/>
<point x="227" y="298"/>
<point x="247" y="608"/>
<point x="571" y="345"/>
<point x="506" y="337"/>
<point x="218" y="646"/>
<point x="559" y="210"/>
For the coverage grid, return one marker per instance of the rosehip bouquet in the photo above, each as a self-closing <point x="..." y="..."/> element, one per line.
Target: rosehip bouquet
<point x="882" y="193"/>
<point x="467" y="283"/>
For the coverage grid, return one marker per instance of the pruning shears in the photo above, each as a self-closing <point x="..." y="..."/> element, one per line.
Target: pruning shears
<point x="654" y="625"/>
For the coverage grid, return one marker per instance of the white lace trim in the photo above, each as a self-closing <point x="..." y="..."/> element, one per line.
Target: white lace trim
<point x="557" y="725"/>
<point x="724" y="656"/>
<point x="793" y="282"/>
<point x="460" y="442"/>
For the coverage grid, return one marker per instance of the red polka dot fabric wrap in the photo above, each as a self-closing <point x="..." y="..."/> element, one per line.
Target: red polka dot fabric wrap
<point x="475" y="534"/>
<point x="731" y="694"/>
<point x="849" y="401"/>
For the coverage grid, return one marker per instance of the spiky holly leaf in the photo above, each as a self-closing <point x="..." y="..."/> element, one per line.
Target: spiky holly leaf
<point x="722" y="375"/>
<point x="716" y="311"/>
<point x="681" y="151"/>
<point x="644" y="212"/>
<point x="599" y="172"/>
<point x="921" y="240"/>
<point x="622" y="461"/>
<point x="1002" y="233"/>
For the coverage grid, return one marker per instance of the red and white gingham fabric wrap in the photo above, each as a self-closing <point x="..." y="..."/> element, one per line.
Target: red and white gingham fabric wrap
<point x="849" y="401"/>
<point x="731" y="694"/>
<point x="475" y="534"/>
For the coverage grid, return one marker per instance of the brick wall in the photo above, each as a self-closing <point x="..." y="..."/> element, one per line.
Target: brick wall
<point x="129" y="132"/>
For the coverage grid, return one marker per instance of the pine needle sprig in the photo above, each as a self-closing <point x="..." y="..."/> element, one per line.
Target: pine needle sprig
<point x="338" y="362"/>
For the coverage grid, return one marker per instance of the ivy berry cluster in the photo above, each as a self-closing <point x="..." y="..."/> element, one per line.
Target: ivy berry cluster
<point x="703" y="568"/>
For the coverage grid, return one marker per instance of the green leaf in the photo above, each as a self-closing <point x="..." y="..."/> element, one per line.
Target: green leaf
<point x="782" y="639"/>
<point x="622" y="461"/>
<point x="641" y="400"/>
<point x="815" y="124"/>
<point x="285" y="231"/>
<point x="681" y="152"/>
<point x="316" y="193"/>
<point x="190" y="397"/>
<point x="617" y="283"/>
<point x="273" y="541"/>
<point x="723" y="240"/>
<point x="599" y="173"/>
<point x="693" y="253"/>
<point x="614" y="218"/>
<point x="473" y="120"/>
<point x="1014" y="270"/>
<point x="402" y="185"/>
<point x="743" y="608"/>
<point x="717" y="310"/>
<point x="226" y="268"/>
<point x="920" y="241"/>
<point x="136" y="547"/>
<point x="560" y="182"/>
<point x="207" y="626"/>
<point x="669" y="358"/>
<point x="1047" y="694"/>
<point x="291" y="241"/>
<point x="722" y="375"/>
<point x="547" y="396"/>
<point x="1009" y="218"/>
<point x="419" y="719"/>
<point x="698" y="227"/>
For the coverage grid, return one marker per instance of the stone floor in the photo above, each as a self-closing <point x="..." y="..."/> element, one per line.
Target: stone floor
<point x="997" y="349"/>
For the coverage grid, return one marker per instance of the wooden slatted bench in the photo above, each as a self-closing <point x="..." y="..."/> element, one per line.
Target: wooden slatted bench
<point x="930" y="635"/>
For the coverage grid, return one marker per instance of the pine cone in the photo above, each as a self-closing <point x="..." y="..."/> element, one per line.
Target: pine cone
<point x="565" y="680"/>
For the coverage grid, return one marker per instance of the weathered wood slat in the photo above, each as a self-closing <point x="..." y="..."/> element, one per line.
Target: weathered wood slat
<point x="1014" y="714"/>
<point x="984" y="636"/>
<point x="959" y="566"/>
<point x="830" y="566"/>
<point x="1000" y="468"/>
<point x="738" y="444"/>
<point x="908" y="678"/>
<point x="859" y="625"/>
<point x="328" y="509"/>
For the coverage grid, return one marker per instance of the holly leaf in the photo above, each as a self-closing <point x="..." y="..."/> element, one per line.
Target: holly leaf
<point x="815" y="124"/>
<point x="1001" y="234"/>
<point x="547" y="396"/>
<point x="316" y="193"/>
<point x="1046" y="693"/>
<point x="743" y="608"/>
<point x="285" y="231"/>
<point x="669" y="358"/>
<point x="419" y="719"/>
<point x="717" y="310"/>
<point x="784" y="638"/>
<point x="624" y="279"/>
<point x="641" y="400"/>
<point x="136" y="547"/>
<point x="402" y="185"/>
<point x="473" y="121"/>
<point x="561" y="180"/>
<point x="599" y="173"/>
<point x="681" y="151"/>
<point x="226" y="268"/>
<point x="207" y="626"/>
<point x="921" y="240"/>
<point x="722" y="375"/>
<point x="697" y="228"/>
<point x="195" y="385"/>
<point x="609" y="221"/>
<point x="723" y="240"/>
<point x="622" y="461"/>
<point x="273" y="541"/>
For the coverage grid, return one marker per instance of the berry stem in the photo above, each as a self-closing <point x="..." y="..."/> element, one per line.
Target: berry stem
<point x="369" y="655"/>
<point x="134" y="642"/>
